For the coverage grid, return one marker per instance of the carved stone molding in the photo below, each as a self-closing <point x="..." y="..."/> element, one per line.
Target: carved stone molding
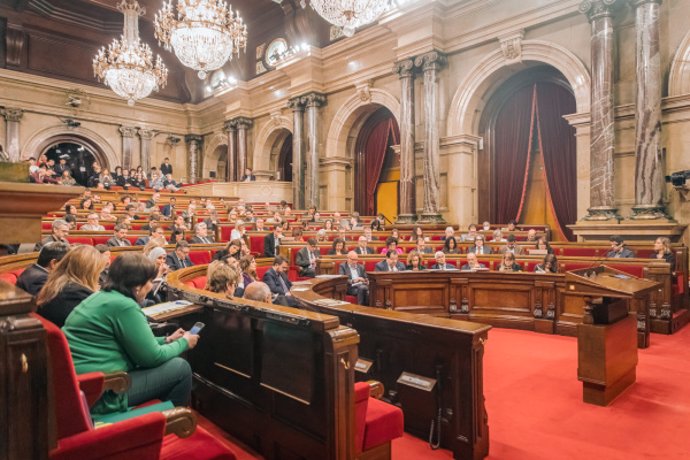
<point x="364" y="90"/>
<point x="127" y="131"/>
<point x="433" y="60"/>
<point x="404" y="68"/>
<point x="314" y="100"/>
<point x="230" y="125"/>
<point x="243" y="122"/>
<point x="296" y="104"/>
<point x="637" y="3"/>
<point x="511" y="46"/>
<point x="276" y="117"/>
<point x="596" y="9"/>
<point x="146" y="134"/>
<point x="193" y="138"/>
<point x="12" y="114"/>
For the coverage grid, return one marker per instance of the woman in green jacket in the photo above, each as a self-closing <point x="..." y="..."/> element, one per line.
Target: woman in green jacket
<point x="108" y="332"/>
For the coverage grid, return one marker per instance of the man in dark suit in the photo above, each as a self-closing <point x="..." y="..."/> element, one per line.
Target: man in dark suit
<point x="169" y="209"/>
<point x="307" y="257"/>
<point x="59" y="234"/>
<point x="120" y="237"/>
<point x="363" y="246"/>
<point x="248" y="175"/>
<point x="166" y="167"/>
<point x="272" y="241"/>
<point x="618" y="249"/>
<point x="180" y="257"/>
<point x="201" y="235"/>
<point x="278" y="282"/>
<point x="391" y="263"/>
<point x="33" y="278"/>
<point x="479" y="247"/>
<point x="357" y="281"/>
<point x="441" y="264"/>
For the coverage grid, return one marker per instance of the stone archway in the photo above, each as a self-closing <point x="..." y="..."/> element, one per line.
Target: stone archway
<point x="264" y="158"/>
<point x="213" y="150"/>
<point x="97" y="144"/>
<point x="679" y="73"/>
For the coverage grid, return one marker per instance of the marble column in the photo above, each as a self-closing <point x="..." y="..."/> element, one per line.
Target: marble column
<point x="128" y="133"/>
<point x="312" y="102"/>
<point x="599" y="13"/>
<point x="193" y="153"/>
<point x="649" y="174"/>
<point x="431" y="63"/>
<point x="145" y="138"/>
<point x="405" y="70"/>
<point x="298" y="192"/>
<point x="231" y="162"/>
<point x="243" y="124"/>
<point x="12" y="118"/>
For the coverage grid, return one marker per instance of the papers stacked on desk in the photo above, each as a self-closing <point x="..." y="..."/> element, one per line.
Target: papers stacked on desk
<point x="165" y="308"/>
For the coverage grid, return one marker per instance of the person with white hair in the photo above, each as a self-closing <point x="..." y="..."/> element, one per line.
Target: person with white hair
<point x="60" y="231"/>
<point x="201" y="235"/>
<point x="441" y="264"/>
<point x="259" y="291"/>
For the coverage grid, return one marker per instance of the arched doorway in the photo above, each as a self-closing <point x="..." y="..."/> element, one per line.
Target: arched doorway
<point x="377" y="167"/>
<point x="221" y="166"/>
<point x="281" y="154"/>
<point x="529" y="162"/>
<point x="79" y="155"/>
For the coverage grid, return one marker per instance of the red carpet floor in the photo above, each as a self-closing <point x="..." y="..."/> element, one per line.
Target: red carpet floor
<point x="535" y="407"/>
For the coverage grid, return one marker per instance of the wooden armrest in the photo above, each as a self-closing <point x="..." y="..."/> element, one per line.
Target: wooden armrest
<point x="376" y="389"/>
<point x="180" y="421"/>
<point x="117" y="381"/>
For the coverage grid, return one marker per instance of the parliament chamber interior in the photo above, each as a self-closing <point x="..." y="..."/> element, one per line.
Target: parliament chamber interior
<point x="344" y="229"/>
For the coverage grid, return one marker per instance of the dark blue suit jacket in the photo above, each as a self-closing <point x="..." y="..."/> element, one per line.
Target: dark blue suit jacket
<point x="271" y="279"/>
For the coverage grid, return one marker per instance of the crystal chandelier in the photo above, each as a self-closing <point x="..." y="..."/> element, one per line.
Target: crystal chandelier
<point x="127" y="65"/>
<point x="350" y="14"/>
<point x="203" y="34"/>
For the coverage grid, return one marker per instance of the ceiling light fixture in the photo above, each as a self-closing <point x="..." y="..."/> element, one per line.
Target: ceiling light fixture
<point x="350" y="14"/>
<point x="127" y="66"/>
<point x="203" y="34"/>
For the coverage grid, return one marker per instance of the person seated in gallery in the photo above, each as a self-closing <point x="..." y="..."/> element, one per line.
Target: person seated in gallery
<point x="71" y="281"/>
<point x="179" y="224"/>
<point x="92" y="224"/>
<point x="379" y="223"/>
<point x="306" y="259"/>
<point x="618" y="249"/>
<point x="108" y="333"/>
<point x="221" y="278"/>
<point x="33" y="278"/>
<point x="248" y="269"/>
<point x="328" y="225"/>
<point x="179" y="258"/>
<point x="415" y="261"/>
<point x="277" y="280"/>
<point x="497" y="236"/>
<point x="232" y="249"/>
<point x="357" y="280"/>
<point x="479" y="247"/>
<point x="662" y="251"/>
<point x="363" y="246"/>
<point x="511" y="227"/>
<point x="441" y="263"/>
<point x="248" y="175"/>
<point x="417" y="234"/>
<point x="450" y="246"/>
<point x="338" y="248"/>
<point x="170" y="184"/>
<point x="390" y="264"/>
<point x="59" y="233"/>
<point x="119" y="238"/>
<point x="391" y="245"/>
<point x="511" y="246"/>
<point x="472" y="263"/>
<point x="201" y="235"/>
<point x="422" y="247"/>
<point x="449" y="232"/>
<point x="258" y="291"/>
<point x="543" y="245"/>
<point x="177" y="235"/>
<point x="272" y="241"/>
<point x="169" y="209"/>
<point x="156" y="233"/>
<point x="508" y="263"/>
<point x="259" y="225"/>
<point x="549" y="265"/>
<point x="531" y="235"/>
<point x="471" y="234"/>
<point x="486" y="226"/>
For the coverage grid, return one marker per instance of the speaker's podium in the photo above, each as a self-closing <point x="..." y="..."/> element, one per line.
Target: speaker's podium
<point x="615" y="323"/>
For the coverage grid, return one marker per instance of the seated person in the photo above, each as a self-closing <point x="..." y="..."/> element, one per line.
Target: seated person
<point x="391" y="245"/>
<point x="119" y="238"/>
<point x="441" y="264"/>
<point x="662" y="251"/>
<point x="532" y="235"/>
<point x="248" y="268"/>
<point x="363" y="246"/>
<point x="277" y="280"/>
<point x="60" y="231"/>
<point x="338" y="248"/>
<point x="201" y="235"/>
<point x="108" y="333"/>
<point x="258" y="291"/>
<point x="549" y="265"/>
<point x="357" y="280"/>
<point x="71" y="281"/>
<point x="511" y="246"/>
<point x="473" y="263"/>
<point x="508" y="263"/>
<point x="221" y="278"/>
<point x="306" y="259"/>
<point x="272" y="241"/>
<point x="512" y="226"/>
<point x="618" y="249"/>
<point x="448" y="233"/>
<point x="390" y="264"/>
<point x="422" y="248"/>
<point x="471" y="234"/>
<point x="155" y="233"/>
<point x="156" y="295"/>
<point x="34" y="277"/>
<point x="543" y="245"/>
<point x="486" y="226"/>
<point x="479" y="247"/>
<point x="415" y="261"/>
<point x="232" y="249"/>
<point x="450" y="246"/>
<point x="179" y="258"/>
<point x="92" y="224"/>
<point x="417" y="234"/>
<point x="497" y="236"/>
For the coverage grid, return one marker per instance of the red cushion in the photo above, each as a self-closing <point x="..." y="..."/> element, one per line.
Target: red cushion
<point x="225" y="231"/>
<point x="261" y="271"/>
<point x="635" y="270"/>
<point x="256" y="242"/>
<point x="46" y="225"/>
<point x="101" y="239"/>
<point x="200" y="445"/>
<point x="351" y="299"/>
<point x="80" y="240"/>
<point x="200" y="257"/>
<point x="8" y="277"/>
<point x="370" y="265"/>
<point x="199" y="282"/>
<point x="384" y="422"/>
<point x="361" y="404"/>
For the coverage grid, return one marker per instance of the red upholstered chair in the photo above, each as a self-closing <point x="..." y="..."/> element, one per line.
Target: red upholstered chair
<point x="200" y="257"/>
<point x="199" y="282"/>
<point x="376" y="423"/>
<point x="142" y="438"/>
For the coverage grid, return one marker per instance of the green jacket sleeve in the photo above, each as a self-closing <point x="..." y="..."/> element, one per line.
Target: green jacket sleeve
<point x="136" y="338"/>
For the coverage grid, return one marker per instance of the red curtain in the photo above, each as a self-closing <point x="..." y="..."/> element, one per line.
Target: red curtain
<point x="384" y="134"/>
<point x="512" y="138"/>
<point x="557" y="143"/>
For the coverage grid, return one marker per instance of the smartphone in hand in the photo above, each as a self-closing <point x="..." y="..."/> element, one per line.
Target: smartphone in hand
<point x="197" y="328"/>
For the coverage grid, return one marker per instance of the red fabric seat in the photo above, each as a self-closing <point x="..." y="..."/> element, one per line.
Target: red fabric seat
<point x="200" y="257"/>
<point x="256" y="243"/>
<point x="101" y="239"/>
<point x="376" y="422"/>
<point x="8" y="277"/>
<point x="80" y="240"/>
<point x="261" y="271"/>
<point x="199" y="282"/>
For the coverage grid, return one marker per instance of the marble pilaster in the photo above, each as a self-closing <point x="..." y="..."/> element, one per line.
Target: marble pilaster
<point x="298" y="167"/>
<point x="127" y="133"/>
<point x="231" y="168"/>
<point x="145" y="137"/>
<point x="649" y="174"/>
<point x="243" y="125"/>
<point x="431" y="63"/>
<point x="405" y="70"/>
<point x="600" y="16"/>
<point x="312" y="102"/>
<point x="12" y="118"/>
<point x="193" y="153"/>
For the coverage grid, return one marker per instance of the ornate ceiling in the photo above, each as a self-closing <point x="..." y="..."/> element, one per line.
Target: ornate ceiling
<point x="58" y="38"/>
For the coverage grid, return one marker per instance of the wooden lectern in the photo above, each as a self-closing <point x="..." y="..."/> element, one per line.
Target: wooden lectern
<point x="615" y="323"/>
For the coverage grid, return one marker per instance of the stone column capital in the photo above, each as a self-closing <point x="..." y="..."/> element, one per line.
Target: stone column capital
<point x="146" y="134"/>
<point x="404" y="68"/>
<point x="127" y="131"/>
<point x="597" y="9"/>
<point x="193" y="138"/>
<point x="314" y="99"/>
<point x="296" y="104"/>
<point x="243" y="123"/>
<point x="637" y="3"/>
<point x="12" y="114"/>
<point x="433" y="60"/>
<point x="230" y="125"/>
